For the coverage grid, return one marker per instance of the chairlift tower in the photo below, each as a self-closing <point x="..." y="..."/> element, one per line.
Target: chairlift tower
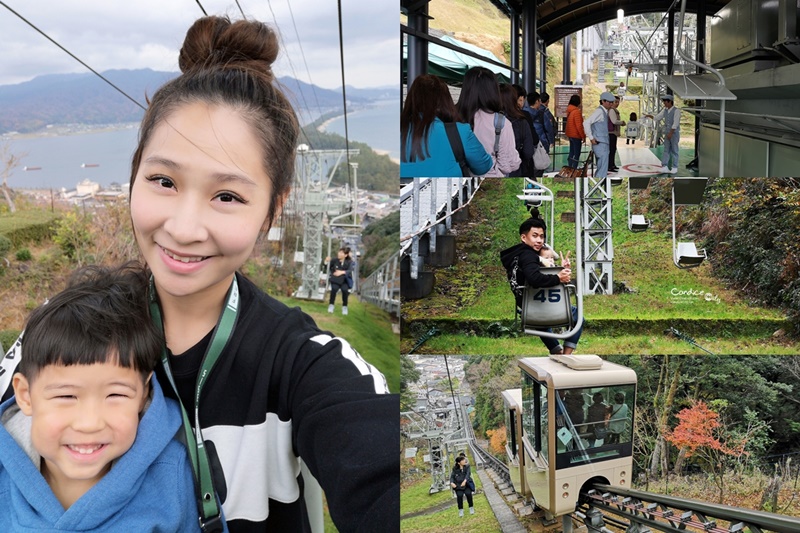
<point x="314" y="171"/>
<point x="439" y="427"/>
<point x="598" y="248"/>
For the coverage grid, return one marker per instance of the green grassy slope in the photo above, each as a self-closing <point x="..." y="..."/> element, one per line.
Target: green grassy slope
<point x="472" y="301"/>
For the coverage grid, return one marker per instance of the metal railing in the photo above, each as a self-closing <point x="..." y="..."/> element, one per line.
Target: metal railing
<point x="382" y="287"/>
<point x="426" y="208"/>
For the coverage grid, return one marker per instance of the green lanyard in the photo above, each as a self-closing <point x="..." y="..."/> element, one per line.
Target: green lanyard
<point x="210" y="516"/>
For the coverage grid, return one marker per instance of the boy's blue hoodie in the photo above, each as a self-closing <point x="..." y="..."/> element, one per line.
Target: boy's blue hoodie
<point x="149" y="488"/>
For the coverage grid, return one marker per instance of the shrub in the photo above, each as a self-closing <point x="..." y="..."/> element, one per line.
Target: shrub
<point x="5" y="245"/>
<point x="24" y="255"/>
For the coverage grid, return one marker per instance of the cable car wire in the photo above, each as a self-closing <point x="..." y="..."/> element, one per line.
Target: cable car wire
<point x="201" y="8"/>
<point x="303" y="55"/>
<point x="344" y="92"/>
<point x="73" y="56"/>
<point x="240" y="9"/>
<point x="294" y="74"/>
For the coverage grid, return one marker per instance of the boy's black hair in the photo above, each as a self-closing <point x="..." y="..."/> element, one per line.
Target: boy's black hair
<point x="532" y="97"/>
<point x="102" y="316"/>
<point x="633" y="117"/>
<point x="530" y="223"/>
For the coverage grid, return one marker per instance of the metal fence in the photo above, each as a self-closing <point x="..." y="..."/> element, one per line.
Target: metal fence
<point x="382" y="287"/>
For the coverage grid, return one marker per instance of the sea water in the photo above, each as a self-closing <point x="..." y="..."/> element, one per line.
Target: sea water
<point x="104" y="156"/>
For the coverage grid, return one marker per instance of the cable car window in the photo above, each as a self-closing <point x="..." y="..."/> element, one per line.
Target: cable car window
<point x="511" y="432"/>
<point x="594" y="424"/>
<point x="534" y="414"/>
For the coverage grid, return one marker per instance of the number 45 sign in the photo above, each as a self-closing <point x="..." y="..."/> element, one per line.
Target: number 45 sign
<point x="552" y="295"/>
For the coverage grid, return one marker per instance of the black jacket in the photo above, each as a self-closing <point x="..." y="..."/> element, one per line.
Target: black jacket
<point x="522" y="266"/>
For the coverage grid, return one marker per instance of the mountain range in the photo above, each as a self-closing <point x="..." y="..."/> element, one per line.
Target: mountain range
<point x="86" y="99"/>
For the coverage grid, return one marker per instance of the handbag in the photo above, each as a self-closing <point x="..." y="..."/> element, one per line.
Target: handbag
<point x="458" y="147"/>
<point x="541" y="159"/>
<point x="600" y="432"/>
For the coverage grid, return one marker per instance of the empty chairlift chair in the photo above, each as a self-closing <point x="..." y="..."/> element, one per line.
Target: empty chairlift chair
<point x="637" y="222"/>
<point x="686" y="191"/>
<point x="534" y="194"/>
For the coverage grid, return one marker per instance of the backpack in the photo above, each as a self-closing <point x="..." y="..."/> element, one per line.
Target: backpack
<point x="499" y="122"/>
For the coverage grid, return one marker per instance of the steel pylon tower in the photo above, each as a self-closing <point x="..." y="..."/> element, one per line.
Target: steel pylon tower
<point x="314" y="171"/>
<point x="598" y="248"/>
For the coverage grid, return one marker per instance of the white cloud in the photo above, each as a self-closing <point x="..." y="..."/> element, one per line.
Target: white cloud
<point x="148" y="33"/>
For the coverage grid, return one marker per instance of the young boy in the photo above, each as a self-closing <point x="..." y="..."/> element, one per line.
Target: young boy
<point x="85" y="444"/>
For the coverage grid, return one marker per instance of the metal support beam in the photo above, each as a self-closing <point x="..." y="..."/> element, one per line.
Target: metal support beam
<point x="542" y="67"/>
<point x="598" y="248"/>
<point x="700" y="56"/>
<point x="671" y="43"/>
<point x="515" y="66"/>
<point x="567" y="60"/>
<point x="529" y="39"/>
<point x="417" y="48"/>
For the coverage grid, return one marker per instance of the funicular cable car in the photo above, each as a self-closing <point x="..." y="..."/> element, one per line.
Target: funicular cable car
<point x="512" y="402"/>
<point x="577" y="428"/>
<point x="551" y="307"/>
<point x="686" y="191"/>
<point x="637" y="222"/>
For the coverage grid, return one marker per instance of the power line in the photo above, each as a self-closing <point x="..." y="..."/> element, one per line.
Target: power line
<point x="291" y="66"/>
<point x="29" y="23"/>
<point x="240" y="9"/>
<point x="202" y="8"/>
<point x="303" y="55"/>
<point x="344" y="91"/>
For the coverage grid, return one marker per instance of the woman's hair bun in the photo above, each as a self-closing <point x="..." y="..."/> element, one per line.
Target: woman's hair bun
<point x="216" y="42"/>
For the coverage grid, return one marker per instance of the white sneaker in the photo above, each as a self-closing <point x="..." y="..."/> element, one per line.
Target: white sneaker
<point x="344" y="310"/>
<point x="461" y="512"/>
<point x="673" y="170"/>
<point x="330" y="308"/>
<point x="664" y="170"/>
<point x="471" y="510"/>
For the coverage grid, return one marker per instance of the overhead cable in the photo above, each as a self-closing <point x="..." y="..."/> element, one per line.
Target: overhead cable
<point x="344" y="92"/>
<point x="76" y="58"/>
<point x="303" y="55"/>
<point x="294" y="74"/>
<point x="240" y="9"/>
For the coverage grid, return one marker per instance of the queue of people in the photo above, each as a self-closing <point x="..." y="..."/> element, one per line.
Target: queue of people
<point x="491" y="130"/>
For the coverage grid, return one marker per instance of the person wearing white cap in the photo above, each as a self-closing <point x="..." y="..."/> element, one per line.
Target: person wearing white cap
<point x="671" y="131"/>
<point x="596" y="129"/>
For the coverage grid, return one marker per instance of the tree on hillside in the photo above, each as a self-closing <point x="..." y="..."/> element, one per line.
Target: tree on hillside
<point x="408" y="374"/>
<point x="9" y="161"/>
<point x="702" y="433"/>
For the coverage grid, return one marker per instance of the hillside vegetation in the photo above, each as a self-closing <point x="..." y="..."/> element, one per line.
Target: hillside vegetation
<point x="36" y="264"/>
<point x="752" y="310"/>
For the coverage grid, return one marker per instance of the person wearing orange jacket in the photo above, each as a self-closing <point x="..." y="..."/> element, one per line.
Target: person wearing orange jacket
<point x="574" y="130"/>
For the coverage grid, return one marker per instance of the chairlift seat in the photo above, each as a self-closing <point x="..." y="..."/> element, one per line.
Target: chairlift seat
<point x="548" y="307"/>
<point x="687" y="256"/>
<point x="639" y="223"/>
<point x="615" y="181"/>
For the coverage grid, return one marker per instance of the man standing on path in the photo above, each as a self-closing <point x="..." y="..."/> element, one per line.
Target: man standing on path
<point x="596" y="128"/>
<point x="671" y="130"/>
<point x="614" y="124"/>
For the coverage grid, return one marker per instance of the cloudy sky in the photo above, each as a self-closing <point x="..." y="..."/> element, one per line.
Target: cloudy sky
<point x="133" y="34"/>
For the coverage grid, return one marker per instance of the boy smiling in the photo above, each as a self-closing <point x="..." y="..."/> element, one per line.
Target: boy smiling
<point x="84" y="445"/>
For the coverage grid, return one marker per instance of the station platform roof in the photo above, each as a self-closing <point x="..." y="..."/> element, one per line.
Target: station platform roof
<point x="559" y="18"/>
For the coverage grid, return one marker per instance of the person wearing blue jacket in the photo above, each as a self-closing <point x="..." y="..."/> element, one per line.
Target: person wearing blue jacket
<point x="85" y="443"/>
<point x="426" y="150"/>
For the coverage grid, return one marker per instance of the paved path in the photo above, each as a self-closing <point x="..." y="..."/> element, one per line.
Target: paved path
<point x="505" y="516"/>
